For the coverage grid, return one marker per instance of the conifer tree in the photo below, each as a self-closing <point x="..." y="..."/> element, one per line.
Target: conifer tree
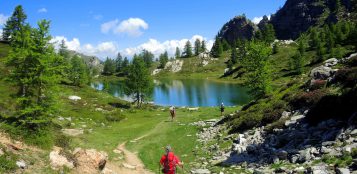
<point x="188" y="49"/>
<point x="177" y="53"/>
<point x="197" y="48"/>
<point x="203" y="46"/>
<point x="14" y="24"/>
<point x="118" y="63"/>
<point x="138" y="84"/>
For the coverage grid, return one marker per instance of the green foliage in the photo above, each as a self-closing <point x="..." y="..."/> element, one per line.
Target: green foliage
<point x="188" y="50"/>
<point x="257" y="68"/>
<point x="177" y="53"/>
<point x="148" y="57"/>
<point x="36" y="69"/>
<point x="234" y="56"/>
<point x="297" y="63"/>
<point x="119" y="63"/>
<point x="62" y="141"/>
<point x="217" y="48"/>
<point x="266" y="34"/>
<point x="343" y="161"/>
<point x="138" y="83"/>
<point x="225" y="45"/>
<point x="163" y="59"/>
<point x="109" y="66"/>
<point x="14" y="24"/>
<point x="78" y="73"/>
<point x="203" y="46"/>
<point x="197" y="48"/>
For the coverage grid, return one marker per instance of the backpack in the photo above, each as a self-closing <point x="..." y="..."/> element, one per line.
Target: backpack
<point x="168" y="163"/>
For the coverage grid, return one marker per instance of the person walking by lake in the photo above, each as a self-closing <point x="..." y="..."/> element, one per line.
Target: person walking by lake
<point x="222" y="108"/>
<point x="169" y="161"/>
<point x="173" y="112"/>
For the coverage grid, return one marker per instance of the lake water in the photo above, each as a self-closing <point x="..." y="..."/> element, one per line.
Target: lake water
<point x="189" y="92"/>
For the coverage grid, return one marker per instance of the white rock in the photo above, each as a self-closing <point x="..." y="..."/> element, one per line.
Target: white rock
<point x="21" y="164"/>
<point x="201" y="171"/>
<point x="342" y="171"/>
<point x="74" y="98"/>
<point x="72" y="132"/>
<point x="156" y="71"/>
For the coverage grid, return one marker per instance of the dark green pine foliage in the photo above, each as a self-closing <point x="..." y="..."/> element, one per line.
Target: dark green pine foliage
<point x="78" y="73"/>
<point x="118" y="63"/>
<point x="14" y="24"/>
<point x="163" y="59"/>
<point x="188" y="50"/>
<point x="203" y="46"/>
<point x="35" y="71"/>
<point x="275" y="48"/>
<point x="138" y="83"/>
<point x="177" y="53"/>
<point x="234" y="56"/>
<point x="197" y="48"/>
<point x="109" y="66"/>
<point x="148" y="57"/>
<point x="217" y="48"/>
<point x="225" y="45"/>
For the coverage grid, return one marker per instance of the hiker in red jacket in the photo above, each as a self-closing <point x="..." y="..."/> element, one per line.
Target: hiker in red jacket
<point x="169" y="161"/>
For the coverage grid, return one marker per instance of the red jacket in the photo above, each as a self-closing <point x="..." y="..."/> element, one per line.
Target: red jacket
<point x="170" y="163"/>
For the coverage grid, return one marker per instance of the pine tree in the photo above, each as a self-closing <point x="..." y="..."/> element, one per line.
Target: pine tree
<point x="319" y="52"/>
<point x="35" y="71"/>
<point x="138" y="83"/>
<point x="188" y="49"/>
<point x="234" y="56"/>
<point x="217" y="48"/>
<point x="197" y="48"/>
<point x="109" y="67"/>
<point x="314" y="37"/>
<point x="258" y="69"/>
<point x="78" y="72"/>
<point x="14" y="24"/>
<point x="297" y="63"/>
<point x="148" y="57"/>
<point x="203" y="46"/>
<point x="118" y="63"/>
<point x="268" y="33"/>
<point x="177" y="53"/>
<point x="163" y="59"/>
<point x="125" y="65"/>
<point x="225" y="45"/>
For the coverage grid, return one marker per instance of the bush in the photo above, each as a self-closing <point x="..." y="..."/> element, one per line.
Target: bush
<point x="307" y="99"/>
<point x="318" y="84"/>
<point x="339" y="107"/>
<point x="346" y="76"/>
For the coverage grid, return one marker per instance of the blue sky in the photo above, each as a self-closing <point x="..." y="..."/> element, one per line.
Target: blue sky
<point x="104" y="27"/>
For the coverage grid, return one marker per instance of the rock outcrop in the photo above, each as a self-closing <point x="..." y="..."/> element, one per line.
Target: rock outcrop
<point x="297" y="16"/>
<point x="237" y="28"/>
<point x="90" y="160"/>
<point x="174" y="66"/>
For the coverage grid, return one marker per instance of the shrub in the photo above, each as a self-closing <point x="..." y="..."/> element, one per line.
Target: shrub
<point x="346" y="76"/>
<point x="339" y="107"/>
<point x="318" y="84"/>
<point x="308" y="98"/>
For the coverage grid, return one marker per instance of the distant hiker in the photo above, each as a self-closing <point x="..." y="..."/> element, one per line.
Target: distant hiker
<point x="222" y="108"/>
<point x="169" y="161"/>
<point x="172" y="112"/>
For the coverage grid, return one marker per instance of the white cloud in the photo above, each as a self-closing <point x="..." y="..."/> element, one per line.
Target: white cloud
<point x="132" y="27"/>
<point x="256" y="20"/>
<point x="157" y="47"/>
<point x="0" y="33"/>
<point x="42" y="10"/>
<point x="98" y="17"/>
<point x="3" y="19"/>
<point x="100" y="50"/>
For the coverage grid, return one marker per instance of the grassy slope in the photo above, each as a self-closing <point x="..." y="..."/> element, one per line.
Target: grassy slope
<point x="103" y="134"/>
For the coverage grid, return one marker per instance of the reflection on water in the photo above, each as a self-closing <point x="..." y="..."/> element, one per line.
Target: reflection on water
<point x="185" y="92"/>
